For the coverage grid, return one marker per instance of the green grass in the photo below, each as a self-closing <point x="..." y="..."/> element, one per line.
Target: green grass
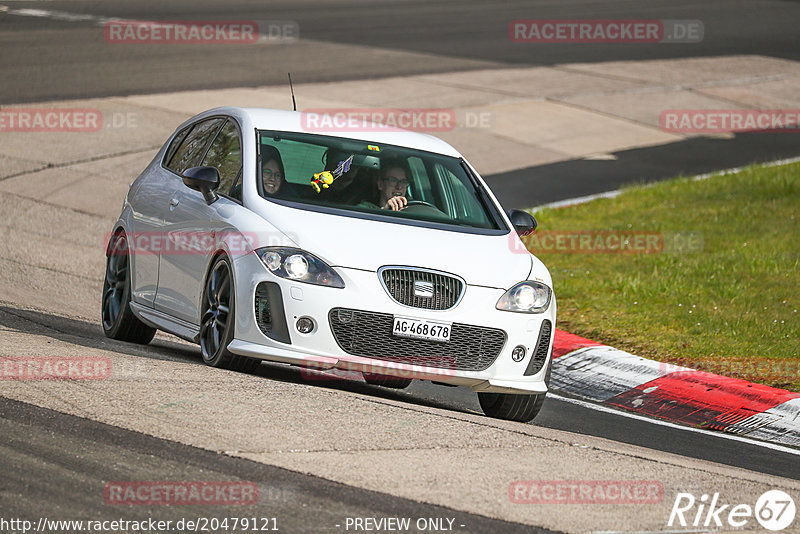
<point x="726" y="303"/>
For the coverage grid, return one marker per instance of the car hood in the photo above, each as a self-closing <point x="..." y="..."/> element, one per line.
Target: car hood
<point x="341" y="241"/>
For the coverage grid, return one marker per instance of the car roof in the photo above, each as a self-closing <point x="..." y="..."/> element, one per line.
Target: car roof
<point x="293" y="121"/>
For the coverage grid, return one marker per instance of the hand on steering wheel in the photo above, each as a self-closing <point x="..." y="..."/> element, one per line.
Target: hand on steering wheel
<point x="396" y="203"/>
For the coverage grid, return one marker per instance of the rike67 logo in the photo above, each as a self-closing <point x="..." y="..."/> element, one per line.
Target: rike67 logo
<point x="774" y="510"/>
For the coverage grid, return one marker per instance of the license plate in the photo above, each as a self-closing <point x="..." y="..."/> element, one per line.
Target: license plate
<point x="421" y="329"/>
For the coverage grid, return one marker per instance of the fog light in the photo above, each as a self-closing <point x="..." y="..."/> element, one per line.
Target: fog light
<point x="305" y="325"/>
<point x="518" y="353"/>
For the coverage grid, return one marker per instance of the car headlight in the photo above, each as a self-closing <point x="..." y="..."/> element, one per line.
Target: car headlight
<point x="525" y="297"/>
<point x="299" y="265"/>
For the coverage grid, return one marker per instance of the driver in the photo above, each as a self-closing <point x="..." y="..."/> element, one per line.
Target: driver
<point x="392" y="187"/>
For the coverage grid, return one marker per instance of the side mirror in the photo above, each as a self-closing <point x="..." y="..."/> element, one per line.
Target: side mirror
<point x="203" y="179"/>
<point x="524" y="223"/>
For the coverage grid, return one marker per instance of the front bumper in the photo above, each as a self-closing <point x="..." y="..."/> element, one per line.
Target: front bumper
<point x="363" y="291"/>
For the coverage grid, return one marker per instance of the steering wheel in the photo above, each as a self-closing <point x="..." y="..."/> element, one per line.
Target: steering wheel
<point x="420" y="207"/>
<point x="421" y="203"/>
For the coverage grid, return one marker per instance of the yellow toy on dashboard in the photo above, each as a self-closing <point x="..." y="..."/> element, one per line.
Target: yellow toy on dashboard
<point x="323" y="180"/>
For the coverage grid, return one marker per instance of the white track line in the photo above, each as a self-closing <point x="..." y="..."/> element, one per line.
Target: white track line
<point x="733" y="437"/>
<point x="98" y="20"/>
<point x="54" y="15"/>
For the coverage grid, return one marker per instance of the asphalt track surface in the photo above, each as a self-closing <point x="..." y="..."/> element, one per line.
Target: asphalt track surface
<point x="36" y="443"/>
<point x="557" y="414"/>
<point x="563" y="180"/>
<point x="47" y="59"/>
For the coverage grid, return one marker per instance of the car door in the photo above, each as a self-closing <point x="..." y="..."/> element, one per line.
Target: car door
<point x="149" y="202"/>
<point x="193" y="227"/>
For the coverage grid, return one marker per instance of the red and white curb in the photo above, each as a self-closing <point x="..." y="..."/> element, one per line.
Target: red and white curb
<point x="589" y="370"/>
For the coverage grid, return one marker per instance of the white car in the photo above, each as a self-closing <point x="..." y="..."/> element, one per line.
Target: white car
<point x="402" y="266"/>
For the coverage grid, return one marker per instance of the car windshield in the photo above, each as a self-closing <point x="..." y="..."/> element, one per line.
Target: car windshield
<point x="369" y="179"/>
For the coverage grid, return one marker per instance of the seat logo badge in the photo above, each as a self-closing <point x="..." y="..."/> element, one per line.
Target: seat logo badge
<point x="423" y="289"/>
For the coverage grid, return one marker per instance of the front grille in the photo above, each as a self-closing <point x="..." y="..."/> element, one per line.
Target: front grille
<point x="542" y="347"/>
<point x="369" y="334"/>
<point x="443" y="291"/>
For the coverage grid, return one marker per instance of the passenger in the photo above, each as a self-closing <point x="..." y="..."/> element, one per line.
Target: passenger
<point x="273" y="177"/>
<point x="391" y="187"/>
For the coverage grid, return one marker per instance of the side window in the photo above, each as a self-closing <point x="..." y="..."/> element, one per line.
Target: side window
<point x="236" y="190"/>
<point x="225" y="154"/>
<point x="176" y="142"/>
<point x="192" y="148"/>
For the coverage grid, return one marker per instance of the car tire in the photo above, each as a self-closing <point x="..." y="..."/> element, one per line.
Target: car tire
<point x="217" y="320"/>
<point x="522" y="408"/>
<point x="387" y="381"/>
<point x="117" y="318"/>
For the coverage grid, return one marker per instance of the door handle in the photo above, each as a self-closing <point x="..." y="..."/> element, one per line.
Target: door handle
<point x="174" y="201"/>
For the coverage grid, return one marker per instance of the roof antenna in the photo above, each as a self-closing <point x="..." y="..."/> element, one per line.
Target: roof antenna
<point x="294" y="104"/>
